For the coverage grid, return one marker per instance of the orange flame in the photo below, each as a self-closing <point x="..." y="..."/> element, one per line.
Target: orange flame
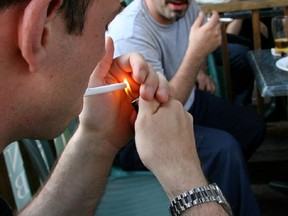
<point x="132" y="95"/>
<point x="128" y="89"/>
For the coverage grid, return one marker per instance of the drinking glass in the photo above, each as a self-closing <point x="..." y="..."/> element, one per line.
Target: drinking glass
<point x="279" y="25"/>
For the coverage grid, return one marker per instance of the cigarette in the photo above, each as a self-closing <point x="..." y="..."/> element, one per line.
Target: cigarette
<point x="223" y="19"/>
<point x="104" y="89"/>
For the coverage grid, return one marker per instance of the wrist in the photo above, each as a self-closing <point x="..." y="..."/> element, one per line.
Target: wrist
<point x="196" y="54"/>
<point x="196" y="196"/>
<point x="94" y="143"/>
<point x="174" y="182"/>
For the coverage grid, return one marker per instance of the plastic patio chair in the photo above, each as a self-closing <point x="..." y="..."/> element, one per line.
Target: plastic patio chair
<point x="217" y="75"/>
<point x="17" y="175"/>
<point x="133" y="195"/>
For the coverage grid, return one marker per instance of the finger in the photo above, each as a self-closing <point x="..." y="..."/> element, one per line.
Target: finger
<point x="149" y="107"/>
<point x="212" y="86"/>
<point x="201" y="86"/>
<point x="107" y="59"/>
<point x="214" y="18"/>
<point x="150" y="85"/>
<point x="104" y="64"/>
<point x="134" y="63"/>
<point x="164" y="90"/>
<point x="208" y="87"/>
<point x="109" y="49"/>
<point x="199" y="20"/>
<point x="142" y="74"/>
<point x="208" y="84"/>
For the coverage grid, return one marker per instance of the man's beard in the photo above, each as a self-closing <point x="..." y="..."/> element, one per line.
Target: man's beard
<point x="179" y="15"/>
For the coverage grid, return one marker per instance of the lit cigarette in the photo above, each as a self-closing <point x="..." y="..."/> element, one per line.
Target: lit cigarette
<point x="226" y="20"/>
<point x="104" y="89"/>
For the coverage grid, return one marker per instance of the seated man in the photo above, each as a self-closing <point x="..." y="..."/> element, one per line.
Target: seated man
<point x="173" y="38"/>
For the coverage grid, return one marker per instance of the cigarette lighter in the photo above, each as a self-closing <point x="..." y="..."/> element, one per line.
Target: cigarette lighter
<point x="135" y="104"/>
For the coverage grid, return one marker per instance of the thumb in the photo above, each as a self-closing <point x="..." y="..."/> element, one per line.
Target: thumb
<point x="109" y="48"/>
<point x="103" y="66"/>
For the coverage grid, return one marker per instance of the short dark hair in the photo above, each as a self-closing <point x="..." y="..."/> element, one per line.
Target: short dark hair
<point x="74" y="12"/>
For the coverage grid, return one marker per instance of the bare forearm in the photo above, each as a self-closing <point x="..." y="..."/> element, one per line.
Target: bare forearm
<point x="78" y="181"/>
<point x="193" y="178"/>
<point x="185" y="78"/>
<point x="177" y="175"/>
<point x="203" y="39"/>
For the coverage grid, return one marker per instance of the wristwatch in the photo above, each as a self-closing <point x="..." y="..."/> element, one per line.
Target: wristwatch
<point x="196" y="196"/>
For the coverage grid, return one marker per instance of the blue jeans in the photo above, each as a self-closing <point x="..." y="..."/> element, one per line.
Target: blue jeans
<point x="226" y="137"/>
<point x="223" y="163"/>
<point x="242" y="123"/>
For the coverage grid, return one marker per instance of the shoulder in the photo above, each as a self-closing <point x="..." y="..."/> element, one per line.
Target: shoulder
<point x="126" y="22"/>
<point x="132" y="22"/>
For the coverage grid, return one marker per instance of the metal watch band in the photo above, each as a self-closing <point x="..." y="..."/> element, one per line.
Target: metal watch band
<point x="207" y="193"/>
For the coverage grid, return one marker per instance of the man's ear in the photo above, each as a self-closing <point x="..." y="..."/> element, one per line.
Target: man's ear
<point x="34" y="30"/>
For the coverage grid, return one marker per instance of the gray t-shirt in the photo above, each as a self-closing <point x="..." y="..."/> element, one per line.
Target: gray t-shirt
<point x="163" y="46"/>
